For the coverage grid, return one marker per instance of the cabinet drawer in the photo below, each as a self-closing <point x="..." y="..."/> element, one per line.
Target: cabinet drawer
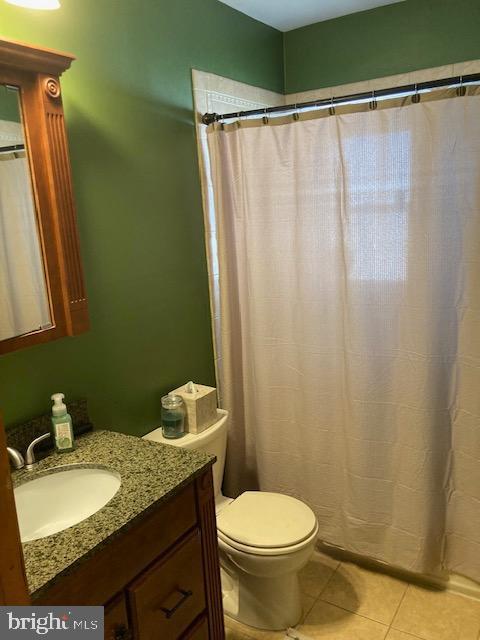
<point x="168" y="597"/>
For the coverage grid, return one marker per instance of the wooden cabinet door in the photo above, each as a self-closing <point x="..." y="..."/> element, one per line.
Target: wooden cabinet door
<point x="170" y="595"/>
<point x="116" y="619"/>
<point x="13" y="583"/>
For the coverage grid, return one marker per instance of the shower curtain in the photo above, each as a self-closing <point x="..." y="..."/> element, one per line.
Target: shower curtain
<point x="348" y="299"/>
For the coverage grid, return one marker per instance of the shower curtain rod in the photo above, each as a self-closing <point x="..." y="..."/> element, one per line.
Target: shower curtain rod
<point x="459" y="81"/>
<point x="13" y="147"/>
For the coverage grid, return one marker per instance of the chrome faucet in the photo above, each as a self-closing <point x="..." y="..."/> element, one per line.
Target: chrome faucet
<point x="30" y="455"/>
<point x="16" y="458"/>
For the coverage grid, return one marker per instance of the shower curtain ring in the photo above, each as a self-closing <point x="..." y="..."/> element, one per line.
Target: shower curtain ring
<point x="416" y="95"/>
<point x="295" y="114"/>
<point x="265" y="117"/>
<point x="331" y="108"/>
<point x="373" y="103"/>
<point x="461" y="90"/>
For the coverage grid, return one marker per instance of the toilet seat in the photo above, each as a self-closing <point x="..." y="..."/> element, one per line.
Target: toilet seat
<point x="264" y="523"/>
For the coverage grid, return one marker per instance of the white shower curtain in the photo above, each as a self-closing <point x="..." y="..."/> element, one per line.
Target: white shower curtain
<point x="349" y="331"/>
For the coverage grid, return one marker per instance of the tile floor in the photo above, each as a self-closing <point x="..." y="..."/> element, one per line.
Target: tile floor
<point x="343" y="601"/>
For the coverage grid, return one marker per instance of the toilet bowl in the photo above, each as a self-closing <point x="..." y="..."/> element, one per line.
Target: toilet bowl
<point x="264" y="539"/>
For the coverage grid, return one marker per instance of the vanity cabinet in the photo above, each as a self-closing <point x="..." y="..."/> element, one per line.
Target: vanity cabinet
<point x="116" y="623"/>
<point x="160" y="579"/>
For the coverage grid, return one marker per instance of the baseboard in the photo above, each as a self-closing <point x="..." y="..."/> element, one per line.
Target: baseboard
<point x="460" y="584"/>
<point x="453" y="583"/>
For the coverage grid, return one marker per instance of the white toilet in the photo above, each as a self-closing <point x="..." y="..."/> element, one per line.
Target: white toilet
<point x="264" y="540"/>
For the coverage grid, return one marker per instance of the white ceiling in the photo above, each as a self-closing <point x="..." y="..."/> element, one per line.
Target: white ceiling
<point x="291" y="14"/>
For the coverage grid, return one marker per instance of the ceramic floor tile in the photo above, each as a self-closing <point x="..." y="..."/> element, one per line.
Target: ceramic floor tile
<point x="307" y="604"/>
<point x="248" y="633"/>
<point x="260" y="634"/>
<point x="438" y="615"/>
<point x="394" y="634"/>
<point x="368" y="593"/>
<point x="315" y="575"/>
<point x="234" y="634"/>
<point x="327" y="622"/>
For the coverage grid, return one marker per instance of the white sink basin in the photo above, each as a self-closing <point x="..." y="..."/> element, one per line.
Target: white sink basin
<point x="57" y="500"/>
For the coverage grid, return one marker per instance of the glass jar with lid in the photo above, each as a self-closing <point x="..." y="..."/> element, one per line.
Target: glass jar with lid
<point x="173" y="416"/>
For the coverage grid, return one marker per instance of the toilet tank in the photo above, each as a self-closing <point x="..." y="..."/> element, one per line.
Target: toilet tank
<point x="213" y="440"/>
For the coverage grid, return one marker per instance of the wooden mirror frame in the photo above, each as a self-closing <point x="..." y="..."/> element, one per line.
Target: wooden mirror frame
<point x="36" y="72"/>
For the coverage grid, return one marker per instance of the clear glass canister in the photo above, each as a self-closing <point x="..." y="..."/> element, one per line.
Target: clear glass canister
<point x="173" y="416"/>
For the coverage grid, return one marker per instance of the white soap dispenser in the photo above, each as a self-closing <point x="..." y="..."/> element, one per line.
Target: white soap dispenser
<point x="62" y="426"/>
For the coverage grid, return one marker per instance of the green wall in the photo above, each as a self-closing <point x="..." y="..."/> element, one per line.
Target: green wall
<point x="393" y="39"/>
<point x="129" y="113"/>
<point x="9" y="106"/>
<point x="128" y="105"/>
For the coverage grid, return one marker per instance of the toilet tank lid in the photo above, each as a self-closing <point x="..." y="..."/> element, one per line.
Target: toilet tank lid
<point x="267" y="520"/>
<point x="192" y="440"/>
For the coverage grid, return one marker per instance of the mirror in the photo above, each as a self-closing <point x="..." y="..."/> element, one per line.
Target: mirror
<point x="42" y="289"/>
<point x="24" y="299"/>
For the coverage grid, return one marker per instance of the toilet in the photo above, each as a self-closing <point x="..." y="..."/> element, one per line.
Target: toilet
<point x="264" y="540"/>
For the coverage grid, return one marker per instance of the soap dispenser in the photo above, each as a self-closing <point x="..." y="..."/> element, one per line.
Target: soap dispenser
<point x="61" y="425"/>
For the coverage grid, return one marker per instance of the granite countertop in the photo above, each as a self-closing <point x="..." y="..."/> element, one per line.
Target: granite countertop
<point x="150" y="472"/>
